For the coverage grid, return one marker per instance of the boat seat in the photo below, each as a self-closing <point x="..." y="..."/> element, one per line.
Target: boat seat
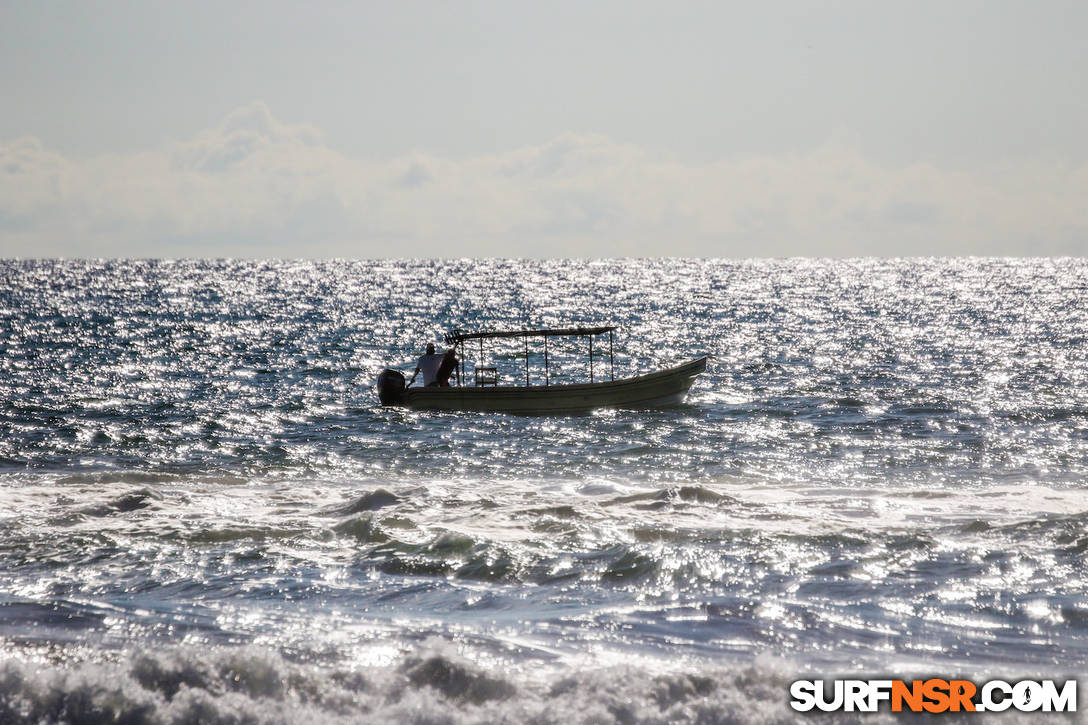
<point x="487" y="376"/>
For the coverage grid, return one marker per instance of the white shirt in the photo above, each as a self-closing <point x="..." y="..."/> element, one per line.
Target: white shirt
<point x="428" y="365"/>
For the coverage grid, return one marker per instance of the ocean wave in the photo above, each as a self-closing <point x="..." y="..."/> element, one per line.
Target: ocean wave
<point x="424" y="685"/>
<point x="434" y="684"/>
<point x="369" y="501"/>
<point x="131" y="501"/>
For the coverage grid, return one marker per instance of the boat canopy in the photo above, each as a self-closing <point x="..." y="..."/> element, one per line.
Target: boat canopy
<point x="454" y="337"/>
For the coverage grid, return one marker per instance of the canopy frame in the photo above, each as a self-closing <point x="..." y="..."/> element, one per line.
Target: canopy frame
<point x="457" y="338"/>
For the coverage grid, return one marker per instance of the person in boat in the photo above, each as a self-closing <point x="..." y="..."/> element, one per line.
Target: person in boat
<point x="446" y="368"/>
<point x="428" y="364"/>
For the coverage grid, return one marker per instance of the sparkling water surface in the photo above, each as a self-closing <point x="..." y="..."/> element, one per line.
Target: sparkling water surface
<point x="205" y="514"/>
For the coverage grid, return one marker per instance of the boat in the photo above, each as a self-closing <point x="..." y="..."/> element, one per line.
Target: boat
<point x="657" y="389"/>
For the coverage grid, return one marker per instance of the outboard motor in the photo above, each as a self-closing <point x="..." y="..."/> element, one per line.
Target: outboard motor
<point x="390" y="386"/>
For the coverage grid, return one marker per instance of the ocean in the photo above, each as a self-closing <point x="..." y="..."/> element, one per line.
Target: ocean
<point x="207" y="517"/>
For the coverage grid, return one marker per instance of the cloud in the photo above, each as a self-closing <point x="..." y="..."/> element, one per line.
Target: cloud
<point x="256" y="187"/>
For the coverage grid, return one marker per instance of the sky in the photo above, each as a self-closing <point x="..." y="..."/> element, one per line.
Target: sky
<point x="543" y="129"/>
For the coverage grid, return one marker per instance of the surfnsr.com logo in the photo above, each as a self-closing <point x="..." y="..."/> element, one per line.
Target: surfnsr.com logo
<point x="934" y="695"/>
